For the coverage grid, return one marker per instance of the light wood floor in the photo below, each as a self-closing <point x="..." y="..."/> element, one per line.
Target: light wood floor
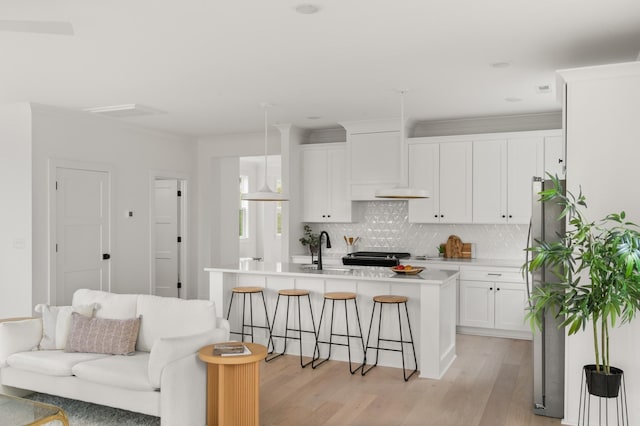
<point x="489" y="384"/>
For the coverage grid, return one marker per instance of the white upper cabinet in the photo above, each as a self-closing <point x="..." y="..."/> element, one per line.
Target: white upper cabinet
<point x="445" y="169"/>
<point x="554" y="161"/>
<point x="324" y="169"/>
<point x="503" y="169"/>
<point x="375" y="157"/>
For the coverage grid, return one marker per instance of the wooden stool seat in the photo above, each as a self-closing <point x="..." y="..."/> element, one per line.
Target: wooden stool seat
<point x="390" y="299"/>
<point x="340" y="295"/>
<point x="247" y="289"/>
<point x="293" y="292"/>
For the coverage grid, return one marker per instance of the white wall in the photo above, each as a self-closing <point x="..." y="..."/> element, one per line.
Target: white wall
<point x="132" y="153"/>
<point x="217" y="245"/>
<point x="603" y="151"/>
<point x="15" y="213"/>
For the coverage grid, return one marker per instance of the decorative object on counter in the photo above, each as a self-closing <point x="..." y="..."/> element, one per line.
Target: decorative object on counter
<point x="407" y="269"/>
<point x="441" y="250"/>
<point x="310" y="239"/>
<point x="606" y="254"/>
<point x="351" y="243"/>
<point x="265" y="193"/>
<point x="454" y="248"/>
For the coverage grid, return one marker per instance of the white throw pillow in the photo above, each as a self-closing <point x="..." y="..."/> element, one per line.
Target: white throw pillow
<point x="56" y="322"/>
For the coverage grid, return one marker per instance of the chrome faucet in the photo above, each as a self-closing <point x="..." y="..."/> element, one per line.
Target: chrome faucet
<point x="320" y="248"/>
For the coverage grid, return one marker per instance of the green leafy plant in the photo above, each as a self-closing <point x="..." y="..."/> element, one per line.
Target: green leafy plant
<point x="598" y="266"/>
<point x="310" y="238"/>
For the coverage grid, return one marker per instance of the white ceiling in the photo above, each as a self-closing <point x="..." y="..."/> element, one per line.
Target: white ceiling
<point x="209" y="64"/>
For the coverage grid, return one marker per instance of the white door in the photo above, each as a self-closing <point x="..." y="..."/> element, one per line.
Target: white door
<point x="456" y="180"/>
<point x="424" y="173"/>
<point x="82" y="233"/>
<point x="477" y="304"/>
<point x="167" y="231"/>
<point x="510" y="306"/>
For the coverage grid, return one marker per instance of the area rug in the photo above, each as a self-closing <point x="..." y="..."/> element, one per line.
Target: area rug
<point x="86" y="414"/>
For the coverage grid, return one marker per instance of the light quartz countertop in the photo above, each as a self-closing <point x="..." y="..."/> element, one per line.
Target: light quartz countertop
<point x="430" y="275"/>
<point x="429" y="261"/>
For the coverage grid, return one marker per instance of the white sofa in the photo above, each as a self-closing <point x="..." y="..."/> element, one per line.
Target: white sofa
<point x="164" y="377"/>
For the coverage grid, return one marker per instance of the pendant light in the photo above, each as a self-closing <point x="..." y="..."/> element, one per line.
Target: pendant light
<point x="265" y="193"/>
<point x="402" y="191"/>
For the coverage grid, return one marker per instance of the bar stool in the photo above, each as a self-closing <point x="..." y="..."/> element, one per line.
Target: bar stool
<point x="379" y="301"/>
<point x="244" y="291"/>
<point x="344" y="296"/>
<point x="297" y="294"/>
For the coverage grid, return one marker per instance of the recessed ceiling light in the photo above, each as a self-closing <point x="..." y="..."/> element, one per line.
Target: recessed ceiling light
<point x="307" y="9"/>
<point x="513" y="99"/>
<point x="501" y="64"/>
<point x="543" y="88"/>
<point x="314" y="117"/>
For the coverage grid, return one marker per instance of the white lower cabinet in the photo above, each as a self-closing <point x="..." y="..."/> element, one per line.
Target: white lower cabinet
<point x="493" y="299"/>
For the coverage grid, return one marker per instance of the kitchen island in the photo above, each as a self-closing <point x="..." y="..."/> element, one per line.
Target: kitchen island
<point x="432" y="306"/>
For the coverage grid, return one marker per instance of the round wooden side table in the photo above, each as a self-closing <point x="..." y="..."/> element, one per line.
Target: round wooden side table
<point x="233" y="386"/>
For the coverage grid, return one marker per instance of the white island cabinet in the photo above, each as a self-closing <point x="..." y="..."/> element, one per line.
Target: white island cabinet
<point x="432" y="307"/>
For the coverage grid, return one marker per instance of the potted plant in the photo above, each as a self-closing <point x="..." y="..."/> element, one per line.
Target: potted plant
<point x="598" y="266"/>
<point x="310" y="239"/>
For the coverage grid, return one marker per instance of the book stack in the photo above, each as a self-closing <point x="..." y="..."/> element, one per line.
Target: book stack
<point x="230" y="349"/>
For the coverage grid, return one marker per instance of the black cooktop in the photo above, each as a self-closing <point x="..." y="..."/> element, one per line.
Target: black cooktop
<point x="374" y="258"/>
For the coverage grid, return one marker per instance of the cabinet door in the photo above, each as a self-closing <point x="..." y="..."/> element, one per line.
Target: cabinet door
<point x="490" y="181"/>
<point x="524" y="161"/>
<point x="456" y="181"/>
<point x="339" y="204"/>
<point x="554" y="156"/>
<point x="510" y="305"/>
<point x="424" y="173"/>
<point x="315" y="184"/>
<point x="476" y="304"/>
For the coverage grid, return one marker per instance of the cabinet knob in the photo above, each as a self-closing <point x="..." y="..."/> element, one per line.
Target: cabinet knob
<point x="491" y="288"/>
<point x="560" y="160"/>
<point x="324" y="215"/>
<point x="441" y="215"/>
<point x="328" y="215"/>
<point x="435" y="215"/>
<point x="498" y="289"/>
<point x="504" y="216"/>
<point x="510" y="216"/>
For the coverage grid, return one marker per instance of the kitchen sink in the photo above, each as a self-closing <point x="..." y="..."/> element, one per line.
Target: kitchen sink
<point x="329" y="269"/>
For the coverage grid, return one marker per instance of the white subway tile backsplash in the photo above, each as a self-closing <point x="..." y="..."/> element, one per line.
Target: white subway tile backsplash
<point x="386" y="227"/>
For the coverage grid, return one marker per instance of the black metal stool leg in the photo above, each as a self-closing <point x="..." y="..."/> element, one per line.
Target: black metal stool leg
<point x="273" y="324"/>
<point x="313" y="324"/>
<point x="366" y="349"/>
<point x="230" y="303"/>
<point x="313" y="363"/>
<point x="413" y="347"/>
<point x="377" y="346"/>
<point x="317" y="347"/>
<point x="266" y="317"/>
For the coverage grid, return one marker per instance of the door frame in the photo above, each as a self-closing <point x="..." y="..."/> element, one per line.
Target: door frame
<point x="53" y="165"/>
<point x="184" y="228"/>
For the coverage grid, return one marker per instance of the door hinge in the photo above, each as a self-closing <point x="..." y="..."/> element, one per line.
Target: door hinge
<point x="179" y="193"/>
<point x="56" y="247"/>
<point x="56" y="185"/>
<point x="179" y="285"/>
<point x="179" y="239"/>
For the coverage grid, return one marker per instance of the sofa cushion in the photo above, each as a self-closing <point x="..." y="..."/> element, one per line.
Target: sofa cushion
<point x="128" y="372"/>
<point x="56" y="321"/>
<point x="103" y="335"/>
<point x="50" y="363"/>
<point x="110" y="305"/>
<point x="18" y="336"/>
<point x="171" y="317"/>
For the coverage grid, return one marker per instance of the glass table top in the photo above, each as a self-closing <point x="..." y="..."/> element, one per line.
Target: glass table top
<point x="19" y="411"/>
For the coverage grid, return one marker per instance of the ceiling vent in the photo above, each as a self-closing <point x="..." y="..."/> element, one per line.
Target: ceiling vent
<point x="123" y="111"/>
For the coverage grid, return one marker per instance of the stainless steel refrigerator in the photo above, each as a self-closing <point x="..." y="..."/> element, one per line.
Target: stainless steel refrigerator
<point x="548" y="345"/>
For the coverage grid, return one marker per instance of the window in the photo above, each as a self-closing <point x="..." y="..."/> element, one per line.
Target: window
<point x="279" y="209"/>
<point x="244" y="208"/>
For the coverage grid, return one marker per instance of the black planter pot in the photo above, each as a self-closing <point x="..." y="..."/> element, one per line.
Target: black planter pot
<point x="601" y="384"/>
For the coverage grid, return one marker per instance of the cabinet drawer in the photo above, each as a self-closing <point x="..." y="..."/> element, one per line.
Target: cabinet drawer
<point x="491" y="275"/>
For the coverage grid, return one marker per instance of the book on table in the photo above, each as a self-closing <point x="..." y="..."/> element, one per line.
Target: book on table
<point x="230" y="349"/>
